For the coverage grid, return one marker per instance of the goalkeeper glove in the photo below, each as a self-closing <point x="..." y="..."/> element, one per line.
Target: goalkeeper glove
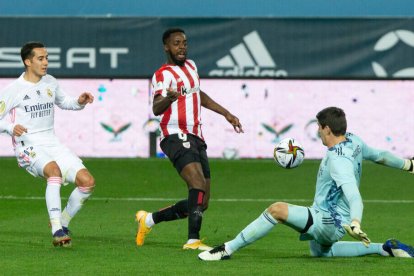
<point x="354" y="230"/>
<point x="409" y="165"/>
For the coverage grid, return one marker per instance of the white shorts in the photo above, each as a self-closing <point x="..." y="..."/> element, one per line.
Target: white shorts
<point x="34" y="159"/>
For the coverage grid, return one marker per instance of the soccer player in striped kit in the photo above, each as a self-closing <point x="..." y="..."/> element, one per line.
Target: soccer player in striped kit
<point x="178" y="100"/>
<point x="30" y="101"/>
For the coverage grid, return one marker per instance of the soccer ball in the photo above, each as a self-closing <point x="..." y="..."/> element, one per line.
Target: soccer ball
<point x="288" y="153"/>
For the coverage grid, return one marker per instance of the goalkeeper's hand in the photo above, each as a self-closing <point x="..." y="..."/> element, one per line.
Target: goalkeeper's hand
<point x="354" y="230"/>
<point x="409" y="165"/>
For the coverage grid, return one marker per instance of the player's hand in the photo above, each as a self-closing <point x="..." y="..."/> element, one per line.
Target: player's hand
<point x="355" y="231"/>
<point x="409" y="165"/>
<point x="235" y="122"/>
<point x="19" y="130"/>
<point x="85" y="98"/>
<point x="172" y="95"/>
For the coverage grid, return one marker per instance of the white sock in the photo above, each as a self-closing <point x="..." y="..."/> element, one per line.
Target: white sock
<point x="75" y="202"/>
<point x="149" y="221"/>
<point x="192" y="240"/>
<point x="53" y="202"/>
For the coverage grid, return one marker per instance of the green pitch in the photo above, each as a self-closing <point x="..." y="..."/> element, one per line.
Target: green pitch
<point x="104" y="231"/>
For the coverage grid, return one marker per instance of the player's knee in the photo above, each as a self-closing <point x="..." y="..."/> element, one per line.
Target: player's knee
<point x="278" y="211"/>
<point x="194" y="177"/>
<point x="198" y="182"/>
<point x="86" y="183"/>
<point x="52" y="169"/>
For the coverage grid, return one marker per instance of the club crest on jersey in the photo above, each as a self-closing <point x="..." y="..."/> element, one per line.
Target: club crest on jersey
<point x="2" y="107"/>
<point x="49" y="93"/>
<point x="29" y="152"/>
<point x="186" y="145"/>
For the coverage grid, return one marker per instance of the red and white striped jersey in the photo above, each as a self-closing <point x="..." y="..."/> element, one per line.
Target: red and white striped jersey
<point x="183" y="115"/>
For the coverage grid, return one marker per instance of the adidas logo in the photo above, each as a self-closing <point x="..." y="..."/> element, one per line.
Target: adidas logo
<point x="248" y="59"/>
<point x="26" y="98"/>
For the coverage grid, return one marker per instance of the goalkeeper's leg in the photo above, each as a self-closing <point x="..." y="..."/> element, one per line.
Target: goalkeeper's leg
<point x="346" y="249"/>
<point x="252" y="232"/>
<point x="296" y="217"/>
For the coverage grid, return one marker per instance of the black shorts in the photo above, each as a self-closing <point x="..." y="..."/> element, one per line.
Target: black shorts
<point x="185" y="150"/>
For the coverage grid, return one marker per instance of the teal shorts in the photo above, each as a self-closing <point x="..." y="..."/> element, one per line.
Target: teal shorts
<point x="321" y="227"/>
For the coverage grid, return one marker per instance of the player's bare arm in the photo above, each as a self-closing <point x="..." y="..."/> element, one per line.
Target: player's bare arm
<point x="209" y="103"/>
<point x="19" y="130"/>
<point x="162" y="103"/>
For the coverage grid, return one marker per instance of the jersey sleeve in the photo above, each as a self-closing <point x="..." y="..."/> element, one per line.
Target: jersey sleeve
<point x="7" y="103"/>
<point x="161" y="81"/>
<point x="381" y="157"/>
<point x="342" y="172"/>
<point x="66" y="102"/>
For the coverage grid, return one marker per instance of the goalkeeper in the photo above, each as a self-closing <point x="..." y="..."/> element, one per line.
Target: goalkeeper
<point x="337" y="208"/>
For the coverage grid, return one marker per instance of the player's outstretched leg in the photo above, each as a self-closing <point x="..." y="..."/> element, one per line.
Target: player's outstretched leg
<point x="143" y="228"/>
<point x="398" y="249"/>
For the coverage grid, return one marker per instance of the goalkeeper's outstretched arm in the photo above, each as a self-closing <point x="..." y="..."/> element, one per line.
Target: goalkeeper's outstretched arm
<point x="388" y="159"/>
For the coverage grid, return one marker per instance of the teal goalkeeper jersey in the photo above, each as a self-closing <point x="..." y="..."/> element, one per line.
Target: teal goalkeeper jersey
<point x="340" y="170"/>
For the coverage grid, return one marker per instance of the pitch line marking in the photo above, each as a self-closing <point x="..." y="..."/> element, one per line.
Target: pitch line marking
<point x="382" y="201"/>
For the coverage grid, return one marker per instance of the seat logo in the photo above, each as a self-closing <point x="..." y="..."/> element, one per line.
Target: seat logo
<point x="248" y="59"/>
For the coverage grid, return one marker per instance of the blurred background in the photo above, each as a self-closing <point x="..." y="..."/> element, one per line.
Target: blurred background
<point x="274" y="64"/>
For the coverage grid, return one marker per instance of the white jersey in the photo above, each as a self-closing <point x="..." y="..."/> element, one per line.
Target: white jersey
<point x="32" y="106"/>
<point x="183" y="115"/>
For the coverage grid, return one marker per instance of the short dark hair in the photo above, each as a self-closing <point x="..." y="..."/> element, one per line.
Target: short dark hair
<point x="27" y="50"/>
<point x="168" y="32"/>
<point x="334" y="117"/>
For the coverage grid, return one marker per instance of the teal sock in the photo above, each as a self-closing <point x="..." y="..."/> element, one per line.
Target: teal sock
<point x="254" y="231"/>
<point x="353" y="249"/>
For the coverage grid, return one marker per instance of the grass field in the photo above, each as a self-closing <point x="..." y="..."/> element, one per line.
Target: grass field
<point x="104" y="230"/>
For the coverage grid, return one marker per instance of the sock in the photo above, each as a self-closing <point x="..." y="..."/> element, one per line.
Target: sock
<point x="254" y="231"/>
<point x="177" y="211"/>
<point x="149" y="220"/>
<point x="53" y="202"/>
<point x="192" y="241"/>
<point x="76" y="199"/>
<point x="195" y="214"/>
<point x="353" y="249"/>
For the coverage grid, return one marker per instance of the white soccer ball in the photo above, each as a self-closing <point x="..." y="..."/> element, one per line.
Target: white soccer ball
<point x="288" y="153"/>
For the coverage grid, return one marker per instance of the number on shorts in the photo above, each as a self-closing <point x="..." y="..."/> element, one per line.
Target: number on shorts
<point x="182" y="136"/>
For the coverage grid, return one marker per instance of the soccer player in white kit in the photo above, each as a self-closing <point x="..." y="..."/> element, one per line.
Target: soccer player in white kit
<point x="30" y="102"/>
<point x="337" y="206"/>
